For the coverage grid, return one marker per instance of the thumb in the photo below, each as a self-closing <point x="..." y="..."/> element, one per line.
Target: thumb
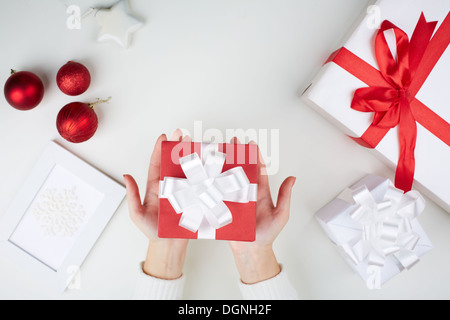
<point x="284" y="198"/>
<point x="133" y="197"/>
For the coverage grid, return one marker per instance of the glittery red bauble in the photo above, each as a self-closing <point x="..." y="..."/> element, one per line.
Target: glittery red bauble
<point x="73" y="78"/>
<point x="77" y="122"/>
<point x="24" y="90"/>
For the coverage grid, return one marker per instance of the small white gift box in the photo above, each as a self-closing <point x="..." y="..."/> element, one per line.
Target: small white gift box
<point x="375" y="227"/>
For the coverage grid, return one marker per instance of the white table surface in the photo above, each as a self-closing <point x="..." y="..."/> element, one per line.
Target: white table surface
<point x="229" y="64"/>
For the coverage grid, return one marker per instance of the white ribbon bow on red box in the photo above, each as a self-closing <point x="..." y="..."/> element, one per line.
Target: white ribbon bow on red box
<point x="200" y="197"/>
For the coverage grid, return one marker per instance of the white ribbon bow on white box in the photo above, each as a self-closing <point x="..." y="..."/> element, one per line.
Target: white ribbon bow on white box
<point x="200" y="197"/>
<point x="386" y="228"/>
<point x="375" y="227"/>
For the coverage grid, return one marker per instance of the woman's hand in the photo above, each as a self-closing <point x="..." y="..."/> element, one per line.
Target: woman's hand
<point x="165" y="257"/>
<point x="256" y="261"/>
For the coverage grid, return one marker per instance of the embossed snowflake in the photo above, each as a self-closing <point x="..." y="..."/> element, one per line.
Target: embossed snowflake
<point x="59" y="212"/>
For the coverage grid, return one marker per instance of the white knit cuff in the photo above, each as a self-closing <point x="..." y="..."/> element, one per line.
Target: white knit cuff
<point x="276" y="288"/>
<point x="150" y="288"/>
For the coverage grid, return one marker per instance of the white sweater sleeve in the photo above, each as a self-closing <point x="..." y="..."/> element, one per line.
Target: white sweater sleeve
<point x="150" y="288"/>
<point x="276" y="288"/>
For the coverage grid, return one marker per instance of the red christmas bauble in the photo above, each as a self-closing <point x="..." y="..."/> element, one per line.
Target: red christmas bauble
<point x="77" y="122"/>
<point x="73" y="78"/>
<point x="24" y="90"/>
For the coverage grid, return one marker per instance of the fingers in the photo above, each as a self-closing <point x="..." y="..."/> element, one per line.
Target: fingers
<point x="156" y="155"/>
<point x="284" y="198"/>
<point x="177" y="135"/>
<point x="235" y="141"/>
<point x="133" y="197"/>
<point x="154" y="170"/>
<point x="263" y="178"/>
<point x="187" y="139"/>
<point x="155" y="160"/>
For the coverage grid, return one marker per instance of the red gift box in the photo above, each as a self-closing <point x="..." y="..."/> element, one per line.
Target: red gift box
<point x="208" y="191"/>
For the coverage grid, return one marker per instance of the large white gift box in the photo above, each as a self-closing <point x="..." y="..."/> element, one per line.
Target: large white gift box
<point x="425" y="93"/>
<point x="375" y="228"/>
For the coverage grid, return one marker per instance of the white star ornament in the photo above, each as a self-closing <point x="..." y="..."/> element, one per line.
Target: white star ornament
<point x="117" y="24"/>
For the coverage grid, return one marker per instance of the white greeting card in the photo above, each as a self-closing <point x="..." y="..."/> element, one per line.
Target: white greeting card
<point x="58" y="215"/>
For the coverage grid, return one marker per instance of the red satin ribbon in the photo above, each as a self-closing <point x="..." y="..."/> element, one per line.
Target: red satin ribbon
<point x="392" y="89"/>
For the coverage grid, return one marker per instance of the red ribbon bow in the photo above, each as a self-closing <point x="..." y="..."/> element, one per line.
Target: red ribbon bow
<point x="392" y="90"/>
